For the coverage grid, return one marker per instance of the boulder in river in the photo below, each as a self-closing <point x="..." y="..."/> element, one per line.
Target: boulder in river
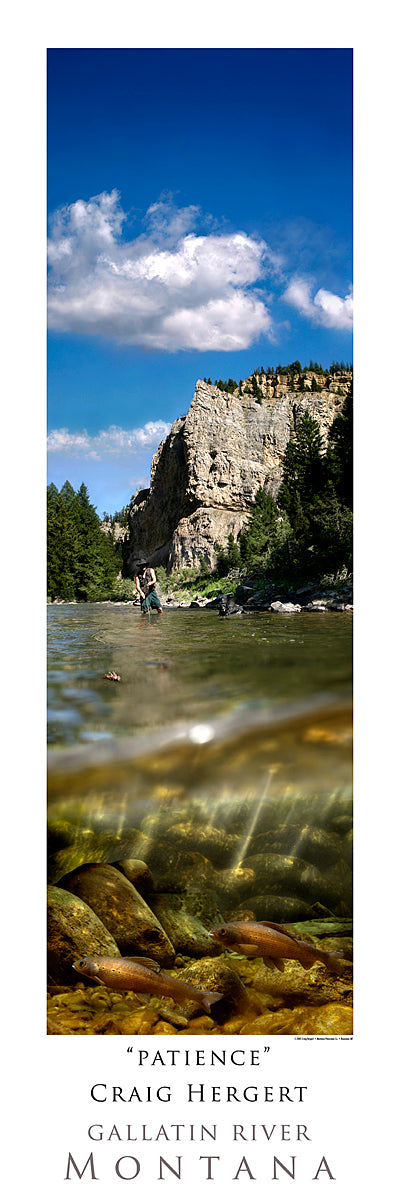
<point x="212" y="975"/>
<point x="220" y="847"/>
<point x="137" y="872"/>
<point x="185" y="930"/>
<point x="278" y="606"/>
<point x="271" y="908"/>
<point x="74" y="931"/>
<point x="122" y="910"/>
<point x="228" y="607"/>
<point x="176" y="870"/>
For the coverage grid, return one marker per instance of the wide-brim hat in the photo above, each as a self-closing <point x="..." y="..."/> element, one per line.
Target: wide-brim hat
<point x="144" y="562"/>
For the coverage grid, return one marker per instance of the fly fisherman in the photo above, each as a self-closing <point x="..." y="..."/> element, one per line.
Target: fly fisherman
<point x="145" y="585"/>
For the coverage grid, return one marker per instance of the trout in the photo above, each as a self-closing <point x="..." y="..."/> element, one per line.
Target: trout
<point x="272" y="943"/>
<point x="143" y="975"/>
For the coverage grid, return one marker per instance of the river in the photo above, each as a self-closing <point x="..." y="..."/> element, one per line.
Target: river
<point x="238" y="726"/>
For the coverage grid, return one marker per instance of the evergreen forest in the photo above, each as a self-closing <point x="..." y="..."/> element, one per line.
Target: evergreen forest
<point x="83" y="561"/>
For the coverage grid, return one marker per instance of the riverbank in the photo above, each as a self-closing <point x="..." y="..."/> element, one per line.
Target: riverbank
<point x="189" y="590"/>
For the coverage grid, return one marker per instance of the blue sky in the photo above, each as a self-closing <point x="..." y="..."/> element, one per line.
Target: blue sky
<point x="200" y="224"/>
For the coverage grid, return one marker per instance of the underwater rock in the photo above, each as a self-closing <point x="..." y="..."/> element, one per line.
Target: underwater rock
<point x="318" y="846"/>
<point x="335" y="888"/>
<point x="281" y="874"/>
<point x="122" y="910"/>
<point x="72" y="854"/>
<point x="141" y="1022"/>
<point x="92" y="846"/>
<point x="212" y="975"/>
<point x="156" y="824"/>
<point x="177" y="870"/>
<point x="205" y="906"/>
<point x="295" y="986"/>
<point x="338" y="816"/>
<point x="338" y="945"/>
<point x="185" y="930"/>
<point x="60" y="833"/>
<point x="286" y="874"/>
<point x="280" y="909"/>
<point x="138" y="848"/>
<point x="216" y="844"/>
<point x="329" y="1019"/>
<point x="341" y="824"/>
<point x="348" y="848"/>
<point x="74" y="931"/>
<point x="137" y="872"/>
<point x="237" y="816"/>
<point x="232" y="883"/>
<point x="281" y="840"/>
<point x="299" y="840"/>
<point x="322" y="928"/>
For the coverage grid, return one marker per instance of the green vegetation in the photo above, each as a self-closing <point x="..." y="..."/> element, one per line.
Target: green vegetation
<point x="307" y="531"/>
<point x="226" y="385"/>
<point x="118" y="518"/>
<point x="83" y="561"/>
<point x="340" y="368"/>
<point x="294" y="370"/>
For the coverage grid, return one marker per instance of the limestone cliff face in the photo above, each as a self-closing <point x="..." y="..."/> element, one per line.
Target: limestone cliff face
<point x="206" y="473"/>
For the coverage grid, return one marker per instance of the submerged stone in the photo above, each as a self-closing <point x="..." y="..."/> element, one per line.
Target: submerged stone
<point x="122" y="910"/>
<point x="205" y="906"/>
<point x="330" y="1019"/>
<point x="220" y="847"/>
<point x="137" y="872"/>
<point x="185" y="930"/>
<point x="279" y="909"/>
<point x="318" y="846"/>
<point x="212" y="975"/>
<point x="74" y="931"/>
<point x="234" y="882"/>
<point x="176" y="870"/>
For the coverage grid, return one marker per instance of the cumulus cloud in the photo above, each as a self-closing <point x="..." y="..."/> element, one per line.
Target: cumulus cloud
<point x="108" y="443"/>
<point x="170" y="288"/>
<point x="325" y="308"/>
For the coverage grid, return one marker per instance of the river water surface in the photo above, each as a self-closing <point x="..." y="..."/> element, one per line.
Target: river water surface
<point x="187" y="664"/>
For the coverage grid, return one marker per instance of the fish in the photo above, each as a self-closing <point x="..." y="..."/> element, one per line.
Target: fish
<point x="272" y="943"/>
<point x="143" y="975"/>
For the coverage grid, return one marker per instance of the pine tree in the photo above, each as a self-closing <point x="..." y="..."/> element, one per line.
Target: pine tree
<point x="339" y="456"/>
<point x="82" y="559"/>
<point x="302" y="473"/>
<point x="255" y="539"/>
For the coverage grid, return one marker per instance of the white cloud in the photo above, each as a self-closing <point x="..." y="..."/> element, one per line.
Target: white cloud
<point x="324" y="309"/>
<point x="170" y="288"/>
<point x="179" y="284"/>
<point x="108" y="443"/>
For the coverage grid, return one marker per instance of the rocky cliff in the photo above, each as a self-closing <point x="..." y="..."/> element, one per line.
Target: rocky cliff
<point x="206" y="473"/>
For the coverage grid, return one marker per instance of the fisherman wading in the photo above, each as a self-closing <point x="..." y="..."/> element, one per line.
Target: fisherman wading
<point x="146" y="587"/>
